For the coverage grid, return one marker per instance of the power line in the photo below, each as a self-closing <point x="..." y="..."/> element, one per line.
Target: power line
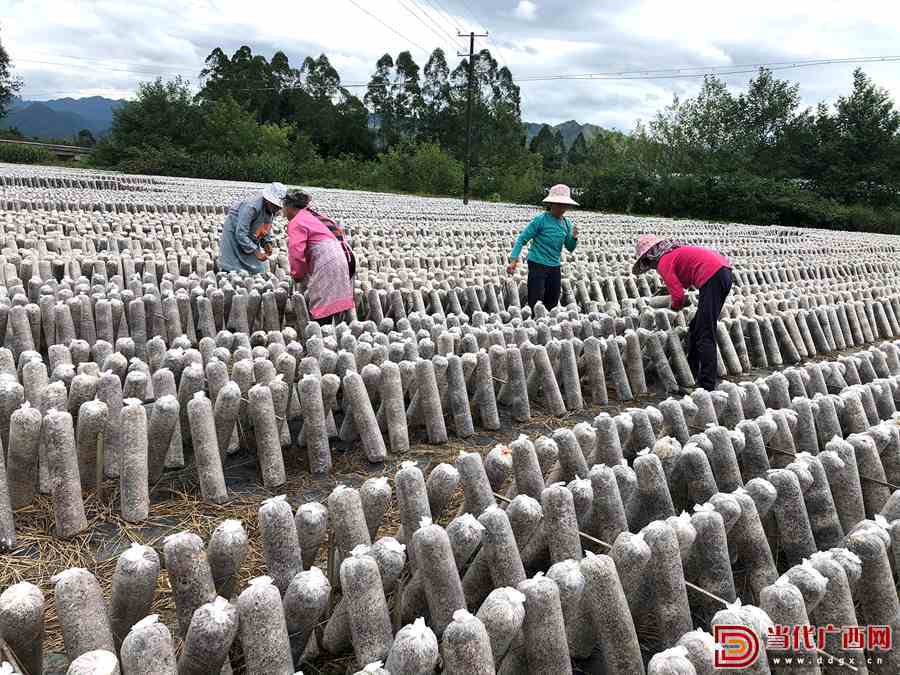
<point x="441" y="12"/>
<point x="389" y="27"/>
<point x="681" y="71"/>
<point x="418" y="18"/>
<point x="646" y="74"/>
<point x="471" y="16"/>
<point x="439" y="23"/>
<point x="116" y="61"/>
<point x="487" y="30"/>
<point x="105" y="69"/>
<point x="441" y="18"/>
<point x="638" y="73"/>
<point x="662" y="77"/>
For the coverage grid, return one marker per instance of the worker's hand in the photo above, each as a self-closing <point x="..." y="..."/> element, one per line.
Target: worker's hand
<point x="574" y="232"/>
<point x="268" y="249"/>
<point x="261" y="256"/>
<point x="511" y="268"/>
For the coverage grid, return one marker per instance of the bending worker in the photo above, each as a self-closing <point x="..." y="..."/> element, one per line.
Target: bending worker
<point x="548" y="233"/>
<point x="319" y="256"/>
<point x="683" y="267"/>
<point x="247" y="232"/>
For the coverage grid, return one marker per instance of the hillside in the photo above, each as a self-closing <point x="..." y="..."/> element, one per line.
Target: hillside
<point x="569" y="130"/>
<point x="40" y="121"/>
<point x="62" y="118"/>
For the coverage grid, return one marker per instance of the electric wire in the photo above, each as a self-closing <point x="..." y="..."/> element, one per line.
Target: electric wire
<point x="644" y="74"/>
<point x="451" y="20"/>
<point x="442" y="31"/>
<point x="388" y="26"/>
<point x="419" y="18"/>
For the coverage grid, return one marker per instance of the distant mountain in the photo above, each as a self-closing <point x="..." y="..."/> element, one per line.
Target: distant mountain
<point x="62" y="118"/>
<point x="95" y="109"/>
<point x="569" y="131"/>
<point x="40" y="121"/>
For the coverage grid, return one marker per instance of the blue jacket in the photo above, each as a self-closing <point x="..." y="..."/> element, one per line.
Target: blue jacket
<point x="547" y="236"/>
<point x="239" y="244"/>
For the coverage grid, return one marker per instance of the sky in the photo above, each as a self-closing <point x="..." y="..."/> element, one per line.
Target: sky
<point x="106" y="47"/>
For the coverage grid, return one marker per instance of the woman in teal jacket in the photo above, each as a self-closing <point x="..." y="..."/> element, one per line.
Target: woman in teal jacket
<point x="548" y="233"/>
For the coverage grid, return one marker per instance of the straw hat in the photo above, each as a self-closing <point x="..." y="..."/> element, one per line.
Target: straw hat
<point x="644" y="243"/>
<point x="560" y="194"/>
<point x="274" y="194"/>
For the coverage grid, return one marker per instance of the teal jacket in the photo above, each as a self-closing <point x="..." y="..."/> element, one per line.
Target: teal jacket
<point x="548" y="236"/>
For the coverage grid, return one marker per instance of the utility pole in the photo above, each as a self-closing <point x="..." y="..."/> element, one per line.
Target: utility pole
<point x="471" y="78"/>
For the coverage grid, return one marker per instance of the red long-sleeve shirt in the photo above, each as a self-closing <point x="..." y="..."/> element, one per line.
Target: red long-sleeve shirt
<point x="688" y="267"/>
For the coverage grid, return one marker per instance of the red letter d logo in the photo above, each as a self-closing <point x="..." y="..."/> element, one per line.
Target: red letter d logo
<point x="737" y="647"/>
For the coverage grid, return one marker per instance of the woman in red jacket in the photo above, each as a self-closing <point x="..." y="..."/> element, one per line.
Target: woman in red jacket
<point x="682" y="267"/>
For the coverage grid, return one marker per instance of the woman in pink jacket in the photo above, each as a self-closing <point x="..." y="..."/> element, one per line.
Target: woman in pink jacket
<point x="682" y="267"/>
<point x="318" y="254"/>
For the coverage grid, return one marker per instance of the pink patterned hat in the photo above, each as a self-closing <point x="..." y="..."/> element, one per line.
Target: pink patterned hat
<point x="644" y="243"/>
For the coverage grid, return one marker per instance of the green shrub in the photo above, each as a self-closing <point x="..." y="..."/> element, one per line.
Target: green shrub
<point x="734" y="197"/>
<point x="164" y="160"/>
<point x="434" y="172"/>
<point x="24" y="154"/>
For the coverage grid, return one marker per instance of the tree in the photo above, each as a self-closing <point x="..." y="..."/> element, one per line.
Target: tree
<point x="559" y="149"/>
<point x="699" y="134"/>
<point x="9" y="85"/>
<point x="406" y="94"/>
<point x="436" y="99"/>
<point x="550" y="146"/>
<point x="349" y="131"/>
<point x="579" y="150"/>
<point x="497" y="134"/>
<point x="380" y="101"/>
<point x="542" y="141"/>
<point x="320" y="78"/>
<point x="866" y="124"/>
<point x="86" y="139"/>
<point x="163" y="115"/>
<point x="763" y="116"/>
<point x="228" y="129"/>
<point x="249" y="79"/>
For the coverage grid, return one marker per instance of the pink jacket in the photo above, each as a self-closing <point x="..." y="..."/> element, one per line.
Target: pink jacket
<point x="317" y="255"/>
<point x="304" y="230"/>
<point x="688" y="267"/>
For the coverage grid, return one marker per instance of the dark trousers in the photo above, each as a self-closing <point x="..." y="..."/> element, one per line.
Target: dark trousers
<point x="702" y="346"/>
<point x="327" y="320"/>
<point x="543" y="285"/>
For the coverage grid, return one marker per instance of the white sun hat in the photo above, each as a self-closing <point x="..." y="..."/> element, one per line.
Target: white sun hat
<point x="560" y="194"/>
<point x="274" y="194"/>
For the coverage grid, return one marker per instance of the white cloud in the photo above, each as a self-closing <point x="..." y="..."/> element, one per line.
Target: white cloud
<point x="526" y="10"/>
<point x="64" y="48"/>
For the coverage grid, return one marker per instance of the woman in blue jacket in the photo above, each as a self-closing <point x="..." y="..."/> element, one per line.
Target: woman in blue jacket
<point x="548" y="233"/>
<point x="247" y="232"/>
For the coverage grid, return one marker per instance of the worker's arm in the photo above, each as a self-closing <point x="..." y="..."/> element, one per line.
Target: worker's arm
<point x="676" y="290"/>
<point x="524" y="237"/>
<point x="571" y="238"/>
<point x="297" y="237"/>
<point x="244" y="221"/>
